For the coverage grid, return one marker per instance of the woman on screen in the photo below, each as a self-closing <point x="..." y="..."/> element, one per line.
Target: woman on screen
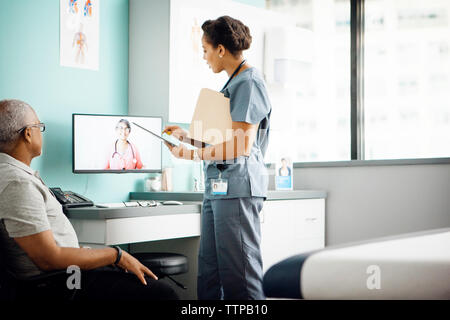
<point x="124" y="155"/>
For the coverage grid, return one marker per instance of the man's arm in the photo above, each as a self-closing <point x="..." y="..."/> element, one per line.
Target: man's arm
<point x="47" y="255"/>
<point x="23" y="210"/>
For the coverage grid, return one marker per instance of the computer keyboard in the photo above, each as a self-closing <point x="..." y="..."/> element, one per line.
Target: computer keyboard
<point x="111" y="205"/>
<point x="146" y="203"/>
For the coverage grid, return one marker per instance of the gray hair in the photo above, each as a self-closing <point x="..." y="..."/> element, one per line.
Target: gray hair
<point x="13" y="115"/>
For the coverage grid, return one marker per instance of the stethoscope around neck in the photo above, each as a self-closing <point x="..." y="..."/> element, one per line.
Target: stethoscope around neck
<point x="234" y="73"/>
<point x="132" y="151"/>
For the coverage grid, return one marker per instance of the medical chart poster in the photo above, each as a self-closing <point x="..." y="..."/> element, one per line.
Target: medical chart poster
<point x="79" y="33"/>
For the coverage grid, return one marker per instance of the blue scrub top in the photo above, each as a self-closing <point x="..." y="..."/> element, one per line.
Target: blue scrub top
<point x="247" y="176"/>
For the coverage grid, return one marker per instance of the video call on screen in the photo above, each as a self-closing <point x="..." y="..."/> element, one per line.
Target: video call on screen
<point x="113" y="143"/>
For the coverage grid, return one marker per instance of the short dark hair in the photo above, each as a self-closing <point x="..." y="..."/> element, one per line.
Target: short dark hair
<point x="229" y="32"/>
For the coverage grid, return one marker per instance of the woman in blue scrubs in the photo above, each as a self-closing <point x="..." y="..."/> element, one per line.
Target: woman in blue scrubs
<point x="229" y="261"/>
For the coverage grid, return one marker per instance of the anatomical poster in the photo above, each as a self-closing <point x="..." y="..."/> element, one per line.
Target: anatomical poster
<point x="79" y="33"/>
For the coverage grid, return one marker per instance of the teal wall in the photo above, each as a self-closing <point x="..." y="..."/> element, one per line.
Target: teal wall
<point x="255" y="3"/>
<point x="30" y="71"/>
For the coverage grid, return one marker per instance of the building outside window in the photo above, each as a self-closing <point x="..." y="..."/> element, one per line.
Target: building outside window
<point x="407" y="79"/>
<point x="310" y="88"/>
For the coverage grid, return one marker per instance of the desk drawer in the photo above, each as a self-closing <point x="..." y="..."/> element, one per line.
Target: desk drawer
<point x="119" y="231"/>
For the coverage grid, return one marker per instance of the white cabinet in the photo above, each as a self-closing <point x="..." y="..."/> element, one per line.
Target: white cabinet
<point x="290" y="227"/>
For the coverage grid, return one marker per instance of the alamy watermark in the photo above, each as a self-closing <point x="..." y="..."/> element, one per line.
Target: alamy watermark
<point x="74" y="280"/>
<point x="237" y="140"/>
<point x="373" y="281"/>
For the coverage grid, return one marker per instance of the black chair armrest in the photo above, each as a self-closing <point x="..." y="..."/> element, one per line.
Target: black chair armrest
<point x="52" y="275"/>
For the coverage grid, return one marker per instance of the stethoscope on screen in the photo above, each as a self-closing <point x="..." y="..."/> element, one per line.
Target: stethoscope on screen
<point x="132" y="151"/>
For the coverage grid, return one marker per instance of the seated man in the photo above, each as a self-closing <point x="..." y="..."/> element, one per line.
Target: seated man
<point x="36" y="236"/>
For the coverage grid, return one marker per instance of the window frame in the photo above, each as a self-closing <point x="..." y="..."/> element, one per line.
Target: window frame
<point x="357" y="156"/>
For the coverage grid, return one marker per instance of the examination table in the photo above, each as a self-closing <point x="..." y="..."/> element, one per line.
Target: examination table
<point x="408" y="266"/>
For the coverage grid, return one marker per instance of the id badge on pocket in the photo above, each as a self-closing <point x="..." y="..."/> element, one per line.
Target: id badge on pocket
<point x="219" y="186"/>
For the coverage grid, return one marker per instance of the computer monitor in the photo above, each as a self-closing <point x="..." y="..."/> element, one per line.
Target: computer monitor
<point x="114" y="144"/>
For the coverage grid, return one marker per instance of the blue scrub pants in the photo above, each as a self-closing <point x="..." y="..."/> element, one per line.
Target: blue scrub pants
<point x="229" y="260"/>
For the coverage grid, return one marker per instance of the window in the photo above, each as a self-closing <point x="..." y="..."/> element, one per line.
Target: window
<point x="353" y="79"/>
<point x="406" y="79"/>
<point x="307" y="69"/>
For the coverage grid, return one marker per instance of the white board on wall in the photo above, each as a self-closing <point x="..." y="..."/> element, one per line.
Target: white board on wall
<point x="188" y="72"/>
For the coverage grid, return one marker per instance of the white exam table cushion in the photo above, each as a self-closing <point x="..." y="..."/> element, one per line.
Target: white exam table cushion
<point x="412" y="266"/>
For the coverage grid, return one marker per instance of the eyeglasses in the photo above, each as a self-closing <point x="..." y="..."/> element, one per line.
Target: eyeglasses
<point x="122" y="128"/>
<point x="41" y="126"/>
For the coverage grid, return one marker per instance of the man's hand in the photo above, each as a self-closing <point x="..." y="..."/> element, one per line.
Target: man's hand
<point x="130" y="263"/>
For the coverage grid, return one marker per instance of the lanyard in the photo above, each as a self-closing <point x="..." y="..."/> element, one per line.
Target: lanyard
<point x="222" y="167"/>
<point x="234" y="73"/>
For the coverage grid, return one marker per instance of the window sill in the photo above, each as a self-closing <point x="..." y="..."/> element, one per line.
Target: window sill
<point x="362" y="163"/>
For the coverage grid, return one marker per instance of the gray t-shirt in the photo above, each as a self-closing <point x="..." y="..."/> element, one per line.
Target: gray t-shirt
<point x="27" y="207"/>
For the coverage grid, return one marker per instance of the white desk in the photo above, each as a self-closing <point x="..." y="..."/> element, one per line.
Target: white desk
<point x="112" y="226"/>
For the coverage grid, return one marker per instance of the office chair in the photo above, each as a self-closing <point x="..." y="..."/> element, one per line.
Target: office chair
<point x="9" y="283"/>
<point x="162" y="265"/>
